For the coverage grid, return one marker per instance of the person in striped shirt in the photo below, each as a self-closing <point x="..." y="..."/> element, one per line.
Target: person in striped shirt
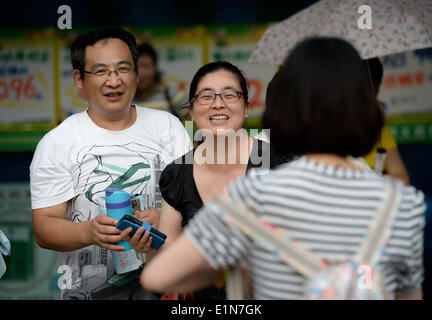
<point x="320" y="107"/>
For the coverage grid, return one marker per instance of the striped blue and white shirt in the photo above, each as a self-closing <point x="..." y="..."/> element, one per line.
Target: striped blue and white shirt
<point x="327" y="210"/>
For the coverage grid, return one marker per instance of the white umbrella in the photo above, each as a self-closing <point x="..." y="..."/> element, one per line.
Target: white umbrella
<point x="397" y="26"/>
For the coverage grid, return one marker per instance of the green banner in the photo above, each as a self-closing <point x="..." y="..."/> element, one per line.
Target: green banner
<point x="20" y="141"/>
<point x="411" y="128"/>
<point x="412" y="132"/>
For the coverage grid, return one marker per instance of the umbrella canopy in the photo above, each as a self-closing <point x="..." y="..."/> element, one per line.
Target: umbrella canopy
<point x="397" y="26"/>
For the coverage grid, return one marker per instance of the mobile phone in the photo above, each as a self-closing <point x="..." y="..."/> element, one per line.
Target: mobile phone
<point x="130" y="221"/>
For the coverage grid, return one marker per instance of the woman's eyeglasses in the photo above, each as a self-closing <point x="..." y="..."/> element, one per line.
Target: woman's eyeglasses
<point x="207" y="97"/>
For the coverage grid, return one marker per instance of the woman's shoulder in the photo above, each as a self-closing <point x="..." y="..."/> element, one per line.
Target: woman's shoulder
<point x="181" y="162"/>
<point x="176" y="181"/>
<point x="176" y="172"/>
<point x="413" y="202"/>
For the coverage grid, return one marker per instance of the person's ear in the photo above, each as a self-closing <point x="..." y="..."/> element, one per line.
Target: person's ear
<point x="77" y="78"/>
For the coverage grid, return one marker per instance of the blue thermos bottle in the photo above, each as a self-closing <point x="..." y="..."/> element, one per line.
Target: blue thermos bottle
<point x="117" y="203"/>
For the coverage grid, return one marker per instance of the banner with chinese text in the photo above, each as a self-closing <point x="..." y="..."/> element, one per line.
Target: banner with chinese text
<point x="27" y="85"/>
<point x="406" y="91"/>
<point x="407" y="82"/>
<point x="235" y="44"/>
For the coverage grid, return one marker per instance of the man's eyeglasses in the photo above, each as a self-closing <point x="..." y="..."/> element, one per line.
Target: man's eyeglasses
<point x="207" y="97"/>
<point x="105" y="73"/>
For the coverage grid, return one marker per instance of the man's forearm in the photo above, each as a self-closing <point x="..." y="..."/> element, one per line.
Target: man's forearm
<point x="60" y="234"/>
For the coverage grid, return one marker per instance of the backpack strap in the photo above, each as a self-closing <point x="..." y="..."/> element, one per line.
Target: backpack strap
<point x="235" y="289"/>
<point x="379" y="230"/>
<point x="238" y="214"/>
<point x="300" y="258"/>
<point x="271" y="236"/>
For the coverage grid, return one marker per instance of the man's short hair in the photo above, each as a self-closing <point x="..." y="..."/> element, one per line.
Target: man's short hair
<point x="79" y="45"/>
<point x="146" y="49"/>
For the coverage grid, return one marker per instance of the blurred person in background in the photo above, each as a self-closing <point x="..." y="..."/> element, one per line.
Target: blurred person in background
<point x="384" y="157"/>
<point x="152" y="92"/>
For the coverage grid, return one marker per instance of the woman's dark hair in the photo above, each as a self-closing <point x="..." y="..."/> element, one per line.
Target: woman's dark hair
<point x="79" y="45"/>
<point x="376" y="70"/>
<point x="321" y="101"/>
<point x="146" y="49"/>
<point x="217" y="66"/>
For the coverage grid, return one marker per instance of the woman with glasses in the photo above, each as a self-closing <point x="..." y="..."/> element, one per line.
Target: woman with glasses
<point x="218" y="106"/>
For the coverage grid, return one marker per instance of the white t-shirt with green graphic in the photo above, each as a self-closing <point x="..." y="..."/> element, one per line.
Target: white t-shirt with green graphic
<point x="76" y="161"/>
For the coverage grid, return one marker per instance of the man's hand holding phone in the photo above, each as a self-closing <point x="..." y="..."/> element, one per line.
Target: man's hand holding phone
<point x="143" y="236"/>
<point x="141" y="240"/>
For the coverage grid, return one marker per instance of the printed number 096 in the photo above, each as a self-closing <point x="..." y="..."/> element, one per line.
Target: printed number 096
<point x="19" y="86"/>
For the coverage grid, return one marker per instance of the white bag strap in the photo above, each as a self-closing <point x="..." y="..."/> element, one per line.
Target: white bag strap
<point x="234" y="285"/>
<point x="379" y="230"/>
<point x="300" y="258"/>
<point x="239" y="215"/>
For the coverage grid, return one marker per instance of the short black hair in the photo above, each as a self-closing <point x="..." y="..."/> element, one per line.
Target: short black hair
<point x="320" y="101"/>
<point x="213" y="67"/>
<point x="79" y="45"/>
<point x="146" y="49"/>
<point x="375" y="68"/>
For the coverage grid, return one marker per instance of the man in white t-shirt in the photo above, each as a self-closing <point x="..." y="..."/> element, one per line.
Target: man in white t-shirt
<point x="112" y="144"/>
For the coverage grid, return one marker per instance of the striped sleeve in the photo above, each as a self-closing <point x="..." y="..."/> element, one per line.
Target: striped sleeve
<point x="408" y="228"/>
<point x="247" y="191"/>
<point x="220" y="244"/>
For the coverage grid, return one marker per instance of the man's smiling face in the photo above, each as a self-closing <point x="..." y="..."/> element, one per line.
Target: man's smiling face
<point x="108" y="93"/>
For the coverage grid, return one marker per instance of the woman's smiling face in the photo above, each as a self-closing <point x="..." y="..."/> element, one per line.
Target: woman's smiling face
<point x="219" y="115"/>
